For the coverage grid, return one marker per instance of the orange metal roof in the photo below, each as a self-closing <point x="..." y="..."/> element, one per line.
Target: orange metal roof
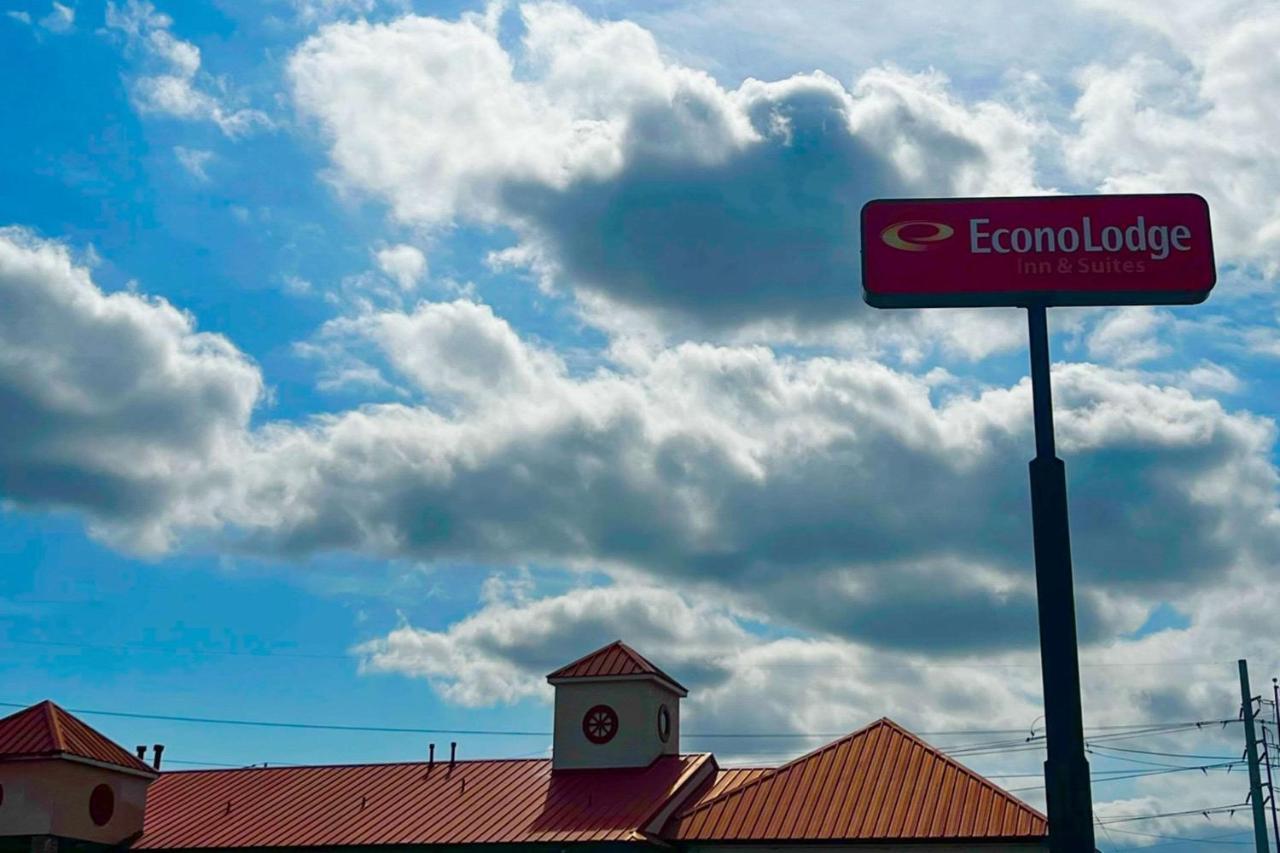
<point x="474" y="802"/>
<point x="726" y="780"/>
<point x="46" y="731"/>
<point x="614" y="660"/>
<point x="879" y="783"/>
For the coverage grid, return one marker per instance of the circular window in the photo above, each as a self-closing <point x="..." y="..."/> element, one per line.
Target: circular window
<point x="664" y="723"/>
<point x="600" y="724"/>
<point x="102" y="804"/>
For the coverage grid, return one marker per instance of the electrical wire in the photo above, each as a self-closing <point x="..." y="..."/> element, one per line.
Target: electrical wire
<point x="1211" y="810"/>
<point x="280" y="724"/>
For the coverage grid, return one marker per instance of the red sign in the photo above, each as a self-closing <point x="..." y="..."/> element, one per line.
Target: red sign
<point x="1042" y="250"/>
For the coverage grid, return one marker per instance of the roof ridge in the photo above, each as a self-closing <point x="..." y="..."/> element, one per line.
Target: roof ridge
<point x="55" y="725"/>
<point x="571" y="664"/>
<point x="614" y="660"/>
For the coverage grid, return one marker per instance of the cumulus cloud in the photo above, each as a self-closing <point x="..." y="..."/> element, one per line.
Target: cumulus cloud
<point x="723" y="468"/>
<point x="1203" y="122"/>
<point x="637" y="180"/>
<point x="734" y="468"/>
<point x="177" y="87"/>
<point x="404" y="264"/>
<point x="114" y="403"/>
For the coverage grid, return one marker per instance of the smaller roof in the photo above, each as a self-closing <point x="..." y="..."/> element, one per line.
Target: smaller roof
<point x="880" y="783"/>
<point x="47" y="731"/>
<point x="616" y="660"/>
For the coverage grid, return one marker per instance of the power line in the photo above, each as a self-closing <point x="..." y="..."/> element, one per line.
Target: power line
<point x="1212" y="839"/>
<point x="1168" y="754"/>
<point x="281" y="724"/>
<point x="1211" y="810"/>
<point x="1136" y="774"/>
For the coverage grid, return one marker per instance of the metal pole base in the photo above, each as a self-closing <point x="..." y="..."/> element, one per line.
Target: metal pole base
<point x="1066" y="771"/>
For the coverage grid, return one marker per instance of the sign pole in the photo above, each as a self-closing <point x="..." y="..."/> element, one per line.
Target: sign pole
<point x="1066" y="769"/>
<point x="1033" y="252"/>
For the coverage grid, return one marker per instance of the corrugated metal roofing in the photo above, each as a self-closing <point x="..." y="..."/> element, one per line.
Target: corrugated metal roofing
<point x="615" y="659"/>
<point x="474" y="802"/>
<point x="726" y="780"/>
<point x="879" y="783"/>
<point x="46" y="731"/>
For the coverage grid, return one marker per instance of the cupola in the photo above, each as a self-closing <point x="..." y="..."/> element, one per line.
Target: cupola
<point x="614" y="708"/>
<point x="61" y="779"/>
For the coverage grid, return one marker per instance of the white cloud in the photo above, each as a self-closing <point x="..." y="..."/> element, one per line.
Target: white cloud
<point x="194" y="160"/>
<point x="19" y="16"/>
<point x="60" y="19"/>
<point x="404" y="264"/>
<point x="734" y="468"/>
<point x="640" y="182"/>
<point x="114" y="403"/>
<point x="459" y="351"/>
<point x="176" y="89"/>
<point x="1204" y="123"/>
<point x="1128" y="336"/>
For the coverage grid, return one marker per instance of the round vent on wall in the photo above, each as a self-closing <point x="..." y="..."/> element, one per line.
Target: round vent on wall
<point x="102" y="804"/>
<point x="664" y="723"/>
<point x="600" y="724"/>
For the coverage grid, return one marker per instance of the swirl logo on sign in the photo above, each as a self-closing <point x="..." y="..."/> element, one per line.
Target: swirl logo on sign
<point x="893" y="236"/>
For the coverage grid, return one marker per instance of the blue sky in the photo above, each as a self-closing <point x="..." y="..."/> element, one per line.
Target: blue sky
<point x="366" y="360"/>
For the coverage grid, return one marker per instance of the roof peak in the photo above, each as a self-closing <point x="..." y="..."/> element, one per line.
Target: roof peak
<point x="47" y="730"/>
<point x="614" y="660"/>
<point x="842" y="757"/>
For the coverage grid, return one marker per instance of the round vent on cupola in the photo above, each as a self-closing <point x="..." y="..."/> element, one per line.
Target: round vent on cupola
<point x="102" y="805"/>
<point x="600" y="724"/>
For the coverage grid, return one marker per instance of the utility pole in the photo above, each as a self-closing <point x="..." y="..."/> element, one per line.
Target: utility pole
<point x="1066" y="770"/>
<point x="1275" y="712"/>
<point x="1251" y="754"/>
<point x="1271" y="787"/>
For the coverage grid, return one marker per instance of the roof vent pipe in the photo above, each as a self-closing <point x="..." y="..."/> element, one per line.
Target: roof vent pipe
<point x="431" y="756"/>
<point x="158" y="749"/>
<point x="141" y="749"/>
<point x="453" y="752"/>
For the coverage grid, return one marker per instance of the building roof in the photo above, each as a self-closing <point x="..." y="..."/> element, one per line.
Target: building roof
<point x="474" y="802"/>
<point x="45" y="730"/>
<point x="880" y="783"/>
<point x="728" y="778"/>
<point x="616" y="660"/>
